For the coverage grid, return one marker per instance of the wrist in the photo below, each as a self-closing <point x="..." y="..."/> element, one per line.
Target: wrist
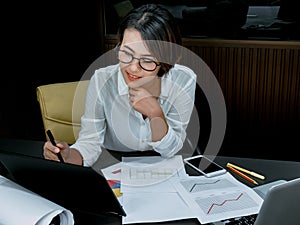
<point x="159" y="128"/>
<point x="156" y="113"/>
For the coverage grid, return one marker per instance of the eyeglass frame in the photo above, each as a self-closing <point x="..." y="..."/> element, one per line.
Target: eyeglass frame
<point x="117" y="50"/>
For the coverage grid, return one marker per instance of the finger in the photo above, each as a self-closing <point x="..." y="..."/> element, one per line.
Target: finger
<point x="134" y="91"/>
<point x="131" y="92"/>
<point x="50" y="155"/>
<point x="60" y="145"/>
<point x="48" y="146"/>
<point x="131" y="99"/>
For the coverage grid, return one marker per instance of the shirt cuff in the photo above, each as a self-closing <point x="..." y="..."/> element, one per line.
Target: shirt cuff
<point x="88" y="158"/>
<point x="168" y="145"/>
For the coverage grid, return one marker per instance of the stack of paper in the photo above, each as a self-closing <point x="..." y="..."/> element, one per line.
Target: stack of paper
<point x="148" y="191"/>
<point x="148" y="194"/>
<point x="155" y="189"/>
<point x="21" y="206"/>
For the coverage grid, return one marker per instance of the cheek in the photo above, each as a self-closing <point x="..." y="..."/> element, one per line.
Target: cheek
<point x="123" y="66"/>
<point x="152" y="73"/>
<point x="155" y="72"/>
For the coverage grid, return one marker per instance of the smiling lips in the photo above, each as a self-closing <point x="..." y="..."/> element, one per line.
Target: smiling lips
<point x="132" y="77"/>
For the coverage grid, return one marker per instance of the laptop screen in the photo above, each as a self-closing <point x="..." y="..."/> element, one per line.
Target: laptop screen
<point x="281" y="205"/>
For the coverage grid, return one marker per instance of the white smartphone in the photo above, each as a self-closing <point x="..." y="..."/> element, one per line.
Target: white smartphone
<point x="204" y="165"/>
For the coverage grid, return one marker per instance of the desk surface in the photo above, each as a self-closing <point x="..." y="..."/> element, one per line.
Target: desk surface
<point x="271" y="169"/>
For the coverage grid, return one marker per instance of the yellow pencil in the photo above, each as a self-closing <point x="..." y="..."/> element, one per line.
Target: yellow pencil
<point x="246" y="171"/>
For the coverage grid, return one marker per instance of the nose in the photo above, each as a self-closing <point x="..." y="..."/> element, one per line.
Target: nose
<point x="135" y="66"/>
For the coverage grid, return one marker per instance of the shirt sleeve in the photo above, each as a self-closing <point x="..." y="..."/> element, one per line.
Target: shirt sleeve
<point x="181" y="102"/>
<point x="93" y="125"/>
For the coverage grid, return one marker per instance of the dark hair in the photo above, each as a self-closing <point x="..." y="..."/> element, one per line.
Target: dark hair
<point x="158" y="28"/>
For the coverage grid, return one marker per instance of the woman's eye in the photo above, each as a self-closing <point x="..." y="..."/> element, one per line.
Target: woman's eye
<point x="127" y="53"/>
<point x="146" y="60"/>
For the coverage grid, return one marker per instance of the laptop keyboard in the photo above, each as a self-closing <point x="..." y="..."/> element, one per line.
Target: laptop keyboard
<point x="244" y="220"/>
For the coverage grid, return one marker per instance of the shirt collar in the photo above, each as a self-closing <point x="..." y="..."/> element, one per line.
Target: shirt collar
<point x="122" y="86"/>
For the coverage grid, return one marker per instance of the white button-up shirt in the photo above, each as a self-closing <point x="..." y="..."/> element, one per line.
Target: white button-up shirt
<point x="109" y="121"/>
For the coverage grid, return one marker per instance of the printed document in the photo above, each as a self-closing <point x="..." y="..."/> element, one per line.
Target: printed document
<point x="217" y="198"/>
<point x="148" y="192"/>
<point x="145" y="189"/>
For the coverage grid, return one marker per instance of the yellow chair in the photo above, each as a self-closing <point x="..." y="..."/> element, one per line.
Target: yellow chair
<point x="62" y="105"/>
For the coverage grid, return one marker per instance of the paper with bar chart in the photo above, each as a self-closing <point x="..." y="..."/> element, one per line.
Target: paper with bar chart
<point x="218" y="198"/>
<point x="148" y="193"/>
<point x="148" y="171"/>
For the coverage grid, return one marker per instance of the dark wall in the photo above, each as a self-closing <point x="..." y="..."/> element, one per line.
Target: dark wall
<point x="56" y="41"/>
<point x="42" y="42"/>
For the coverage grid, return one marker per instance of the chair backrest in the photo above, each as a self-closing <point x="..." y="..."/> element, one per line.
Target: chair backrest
<point x="62" y="105"/>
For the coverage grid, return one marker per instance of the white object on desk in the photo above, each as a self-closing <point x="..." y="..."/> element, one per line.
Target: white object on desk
<point x="148" y="192"/>
<point x="148" y="171"/>
<point x="153" y="197"/>
<point x="21" y="206"/>
<point x="217" y="198"/>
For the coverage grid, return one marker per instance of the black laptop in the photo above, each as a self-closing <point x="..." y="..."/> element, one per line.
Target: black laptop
<point x="79" y="189"/>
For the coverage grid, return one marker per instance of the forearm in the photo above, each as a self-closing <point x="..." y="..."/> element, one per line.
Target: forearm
<point x="158" y="124"/>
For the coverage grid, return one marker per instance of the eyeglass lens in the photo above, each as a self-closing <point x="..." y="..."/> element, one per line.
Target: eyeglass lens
<point x="145" y="63"/>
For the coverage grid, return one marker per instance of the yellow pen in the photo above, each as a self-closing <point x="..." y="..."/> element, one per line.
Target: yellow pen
<point x="246" y="171"/>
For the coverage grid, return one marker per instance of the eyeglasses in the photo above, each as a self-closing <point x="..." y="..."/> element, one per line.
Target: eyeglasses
<point x="145" y="63"/>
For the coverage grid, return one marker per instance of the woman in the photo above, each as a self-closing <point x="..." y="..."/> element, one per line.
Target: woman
<point x="142" y="103"/>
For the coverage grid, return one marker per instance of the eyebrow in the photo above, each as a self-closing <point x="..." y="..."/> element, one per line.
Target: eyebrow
<point x="125" y="46"/>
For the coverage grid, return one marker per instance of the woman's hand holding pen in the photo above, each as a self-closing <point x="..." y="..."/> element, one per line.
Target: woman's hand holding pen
<point x="69" y="155"/>
<point x="51" y="151"/>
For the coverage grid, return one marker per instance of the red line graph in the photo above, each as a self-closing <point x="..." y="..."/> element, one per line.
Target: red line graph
<point x="227" y="200"/>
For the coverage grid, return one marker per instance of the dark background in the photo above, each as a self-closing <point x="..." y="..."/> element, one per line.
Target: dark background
<point x="56" y="41"/>
<point x="43" y="42"/>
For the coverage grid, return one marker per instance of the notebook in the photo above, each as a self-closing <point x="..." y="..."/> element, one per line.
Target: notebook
<point x="79" y="189"/>
<point x="280" y="207"/>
